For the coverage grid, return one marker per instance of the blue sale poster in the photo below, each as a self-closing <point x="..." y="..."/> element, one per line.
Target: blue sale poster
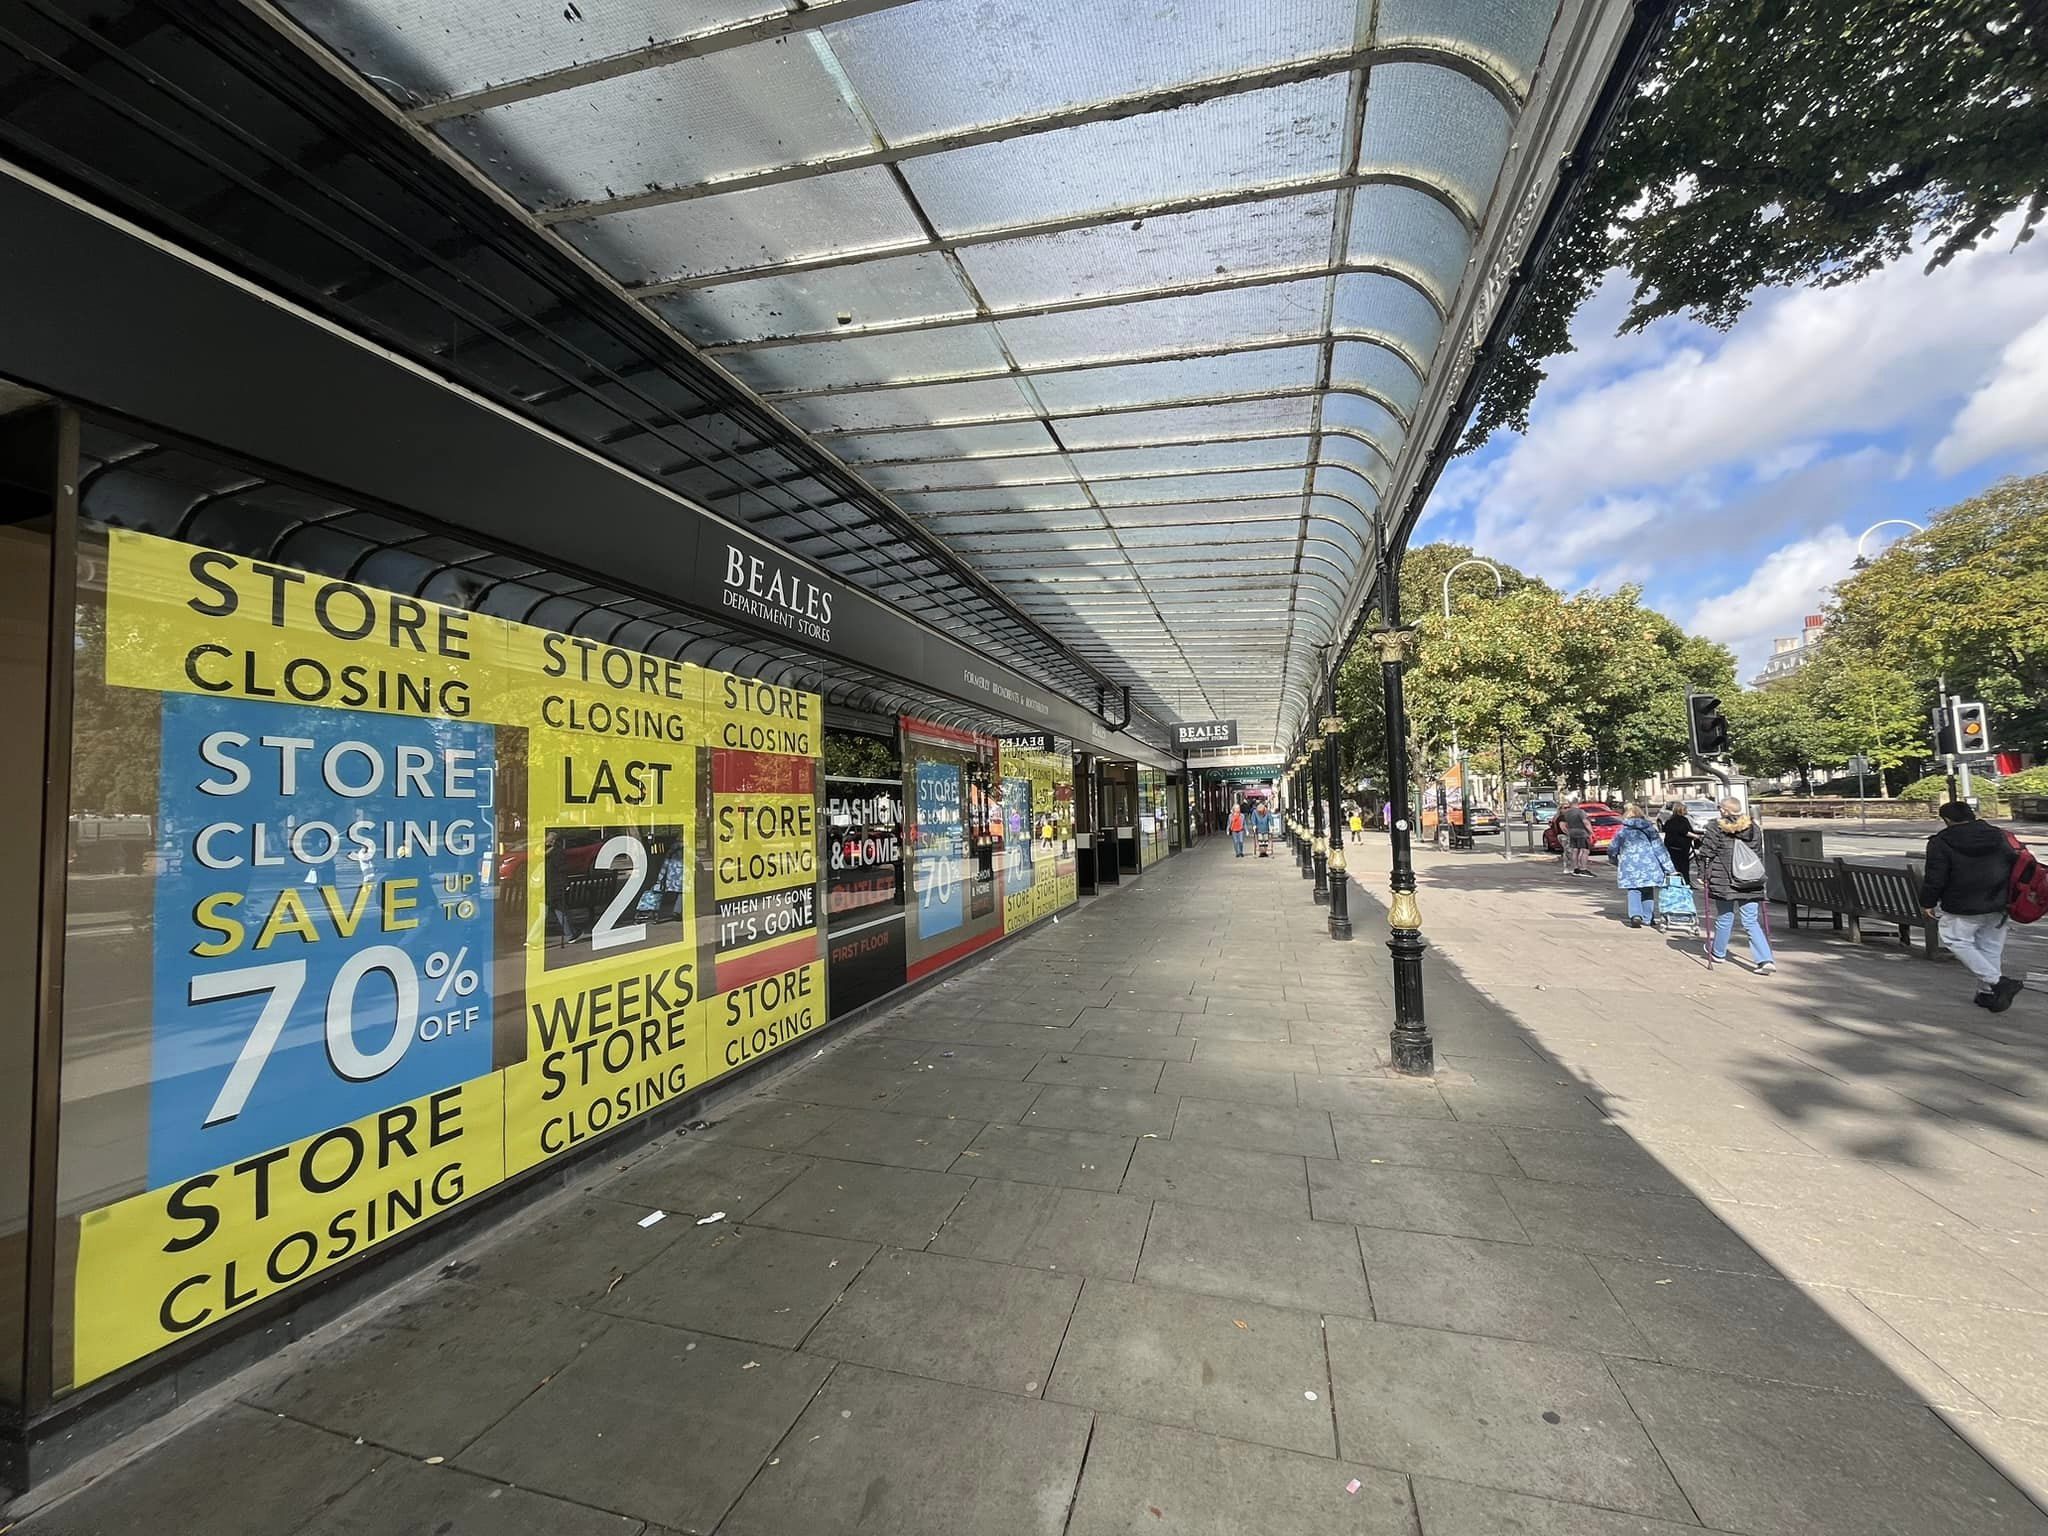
<point x="941" y="849"/>
<point x="324" y="922"/>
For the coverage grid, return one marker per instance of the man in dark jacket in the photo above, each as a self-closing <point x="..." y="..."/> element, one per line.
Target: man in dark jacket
<point x="1967" y="886"/>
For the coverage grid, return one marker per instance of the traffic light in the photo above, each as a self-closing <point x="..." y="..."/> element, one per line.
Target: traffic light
<point x="1973" y="733"/>
<point x="1707" y="725"/>
<point x="1944" y="733"/>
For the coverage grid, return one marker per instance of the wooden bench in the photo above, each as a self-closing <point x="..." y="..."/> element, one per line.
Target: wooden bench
<point x="1889" y="894"/>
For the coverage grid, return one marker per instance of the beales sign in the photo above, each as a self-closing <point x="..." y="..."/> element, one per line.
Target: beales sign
<point x="765" y="590"/>
<point x="1205" y="733"/>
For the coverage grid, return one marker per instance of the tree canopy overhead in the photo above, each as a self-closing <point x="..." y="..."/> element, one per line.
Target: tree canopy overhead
<point x="1786" y="142"/>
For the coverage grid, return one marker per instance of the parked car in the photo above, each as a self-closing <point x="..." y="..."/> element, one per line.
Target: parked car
<point x="1601" y="822"/>
<point x="1536" y="812"/>
<point x="1484" y="820"/>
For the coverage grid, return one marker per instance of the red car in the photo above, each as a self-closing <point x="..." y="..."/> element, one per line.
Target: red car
<point x="1601" y="821"/>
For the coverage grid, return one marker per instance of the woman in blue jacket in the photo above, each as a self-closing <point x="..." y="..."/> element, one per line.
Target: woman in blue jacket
<point x="1640" y="862"/>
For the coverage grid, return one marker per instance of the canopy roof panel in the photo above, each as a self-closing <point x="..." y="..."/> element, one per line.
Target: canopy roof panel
<point x="1133" y="303"/>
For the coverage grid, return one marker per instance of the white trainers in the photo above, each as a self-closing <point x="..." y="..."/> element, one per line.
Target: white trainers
<point x="1768" y="968"/>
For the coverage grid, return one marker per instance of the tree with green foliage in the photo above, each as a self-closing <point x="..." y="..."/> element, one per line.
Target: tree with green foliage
<point x="1588" y="688"/>
<point x="1783" y="729"/>
<point x="1966" y="599"/>
<point x="1784" y="142"/>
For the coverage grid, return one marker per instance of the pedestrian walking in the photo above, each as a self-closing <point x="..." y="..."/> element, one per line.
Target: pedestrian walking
<point x="1967" y="887"/>
<point x="1387" y="816"/>
<point x="1577" y="840"/>
<point x="1679" y="833"/>
<point x="1262" y="824"/>
<point x="1237" y="829"/>
<point x="1357" y="824"/>
<point x="1640" y="863"/>
<point x="1731" y="862"/>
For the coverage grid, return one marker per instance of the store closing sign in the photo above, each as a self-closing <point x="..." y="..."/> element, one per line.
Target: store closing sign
<point x="437" y="897"/>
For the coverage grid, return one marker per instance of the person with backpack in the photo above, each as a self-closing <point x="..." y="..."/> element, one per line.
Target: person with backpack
<point x="1967" y="888"/>
<point x="1640" y="863"/>
<point x="1237" y="829"/>
<point x="1730" y="858"/>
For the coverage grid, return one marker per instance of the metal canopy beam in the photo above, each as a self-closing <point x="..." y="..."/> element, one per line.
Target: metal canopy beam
<point x="1387" y="343"/>
<point x="1205" y="202"/>
<point x="1109" y="300"/>
<point x="1112" y="109"/>
<point x="695" y="45"/>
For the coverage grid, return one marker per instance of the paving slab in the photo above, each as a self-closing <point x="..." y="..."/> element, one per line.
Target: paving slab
<point x="1144" y="1477"/>
<point x="695" y="1178"/>
<point x="1069" y="1069"/>
<point x="1115" y="1111"/>
<point x="1040" y="1226"/>
<point x="1501" y="1413"/>
<point x="1074" y="1159"/>
<point x="410" y="1496"/>
<point x="1675" y="1228"/>
<point x="1999" y="1354"/>
<point x="1254" y="1055"/>
<point x="1527" y="1105"/>
<point x="1457" y="1509"/>
<point x="900" y="1207"/>
<point x="1413" y="1199"/>
<point x="1170" y="1357"/>
<point x="1147" y="1045"/>
<point x="940" y="1057"/>
<point x="743" y="1283"/>
<point x="1752" y="1325"/>
<point x="653" y="1423"/>
<point x="1281" y="1260"/>
<point x="388" y="1380"/>
<point x="981" y="1099"/>
<point x="239" y="1470"/>
<point x="1232" y="1178"/>
<point x="1256" y="1127"/>
<point x="1399" y="1140"/>
<point x="1596" y="1159"/>
<point x="573" y="1254"/>
<point x="884" y="1453"/>
<point x="1775" y="1460"/>
<point x="1194" y="1080"/>
<point x="1130" y="1021"/>
<point x="774" y="1125"/>
<point x="951" y="1319"/>
<point x="1897" y="1258"/>
<point x="1509" y="1290"/>
<point x="834" y="1082"/>
<point x="1235" y="1026"/>
<point x="901" y="1140"/>
<point x="1361" y="1094"/>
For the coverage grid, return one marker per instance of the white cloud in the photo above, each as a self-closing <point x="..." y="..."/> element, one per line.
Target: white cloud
<point x="1802" y="365"/>
<point x="2009" y="411"/>
<point x="1779" y="593"/>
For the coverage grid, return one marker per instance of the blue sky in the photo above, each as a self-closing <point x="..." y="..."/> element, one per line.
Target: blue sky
<point x="1730" y="472"/>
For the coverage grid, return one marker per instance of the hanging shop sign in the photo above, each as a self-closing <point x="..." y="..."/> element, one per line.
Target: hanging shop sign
<point x="437" y="897"/>
<point x="1026" y="741"/>
<point x="1205" y="733"/>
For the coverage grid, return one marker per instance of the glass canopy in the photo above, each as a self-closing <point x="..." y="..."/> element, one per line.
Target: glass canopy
<point x="1131" y="302"/>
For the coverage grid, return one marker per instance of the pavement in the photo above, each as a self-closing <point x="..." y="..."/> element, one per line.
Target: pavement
<point x="1129" y="1229"/>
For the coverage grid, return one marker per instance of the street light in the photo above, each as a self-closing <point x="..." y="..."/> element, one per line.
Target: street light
<point x="1457" y="752"/>
<point x="1890" y="522"/>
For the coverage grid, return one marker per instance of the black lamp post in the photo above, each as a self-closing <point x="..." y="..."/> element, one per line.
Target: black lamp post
<point x="1319" y="849"/>
<point x="1414" y="1052"/>
<point x="1340" y="879"/>
<point x="1304" y="839"/>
